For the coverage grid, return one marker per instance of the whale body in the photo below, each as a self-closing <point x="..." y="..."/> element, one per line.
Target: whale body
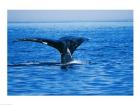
<point x="65" y="45"/>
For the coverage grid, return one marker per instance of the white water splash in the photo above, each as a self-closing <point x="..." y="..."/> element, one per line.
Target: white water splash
<point x="76" y="62"/>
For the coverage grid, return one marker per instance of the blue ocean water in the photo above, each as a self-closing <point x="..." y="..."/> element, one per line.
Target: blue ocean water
<point x="107" y="59"/>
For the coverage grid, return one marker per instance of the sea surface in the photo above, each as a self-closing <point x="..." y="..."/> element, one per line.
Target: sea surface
<point x="104" y="62"/>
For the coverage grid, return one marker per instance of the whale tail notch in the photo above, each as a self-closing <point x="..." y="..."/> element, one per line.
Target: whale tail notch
<point x="65" y="45"/>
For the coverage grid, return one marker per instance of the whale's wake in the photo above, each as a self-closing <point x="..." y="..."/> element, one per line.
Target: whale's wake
<point x="74" y="62"/>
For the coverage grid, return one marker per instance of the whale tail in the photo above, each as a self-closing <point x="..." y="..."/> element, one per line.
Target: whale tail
<point x="65" y="45"/>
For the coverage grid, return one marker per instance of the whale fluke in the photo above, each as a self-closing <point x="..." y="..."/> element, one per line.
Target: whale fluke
<point x="65" y="45"/>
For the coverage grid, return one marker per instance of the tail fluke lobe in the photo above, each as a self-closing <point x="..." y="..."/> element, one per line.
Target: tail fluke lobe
<point x="38" y="40"/>
<point x="50" y="42"/>
<point x="73" y="42"/>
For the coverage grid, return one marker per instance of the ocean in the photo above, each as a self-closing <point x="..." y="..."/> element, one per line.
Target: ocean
<point x="106" y="59"/>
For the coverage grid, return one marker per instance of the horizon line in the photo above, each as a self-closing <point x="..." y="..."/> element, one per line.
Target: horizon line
<point x="68" y="21"/>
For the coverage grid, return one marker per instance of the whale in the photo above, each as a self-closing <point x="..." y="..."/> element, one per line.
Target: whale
<point x="65" y="45"/>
